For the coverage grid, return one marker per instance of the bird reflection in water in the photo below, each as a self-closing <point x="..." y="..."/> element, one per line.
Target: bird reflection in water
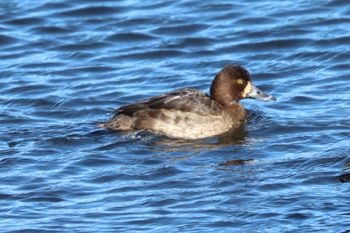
<point x="235" y="137"/>
<point x="193" y="148"/>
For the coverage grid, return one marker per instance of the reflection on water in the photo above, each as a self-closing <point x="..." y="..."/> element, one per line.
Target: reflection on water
<point x="236" y="162"/>
<point x="65" y="65"/>
<point x="344" y="177"/>
<point x="235" y="137"/>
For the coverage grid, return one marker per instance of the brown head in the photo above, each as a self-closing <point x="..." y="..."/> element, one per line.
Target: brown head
<point x="232" y="84"/>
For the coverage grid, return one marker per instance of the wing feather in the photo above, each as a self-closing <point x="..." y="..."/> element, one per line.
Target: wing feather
<point x="187" y="100"/>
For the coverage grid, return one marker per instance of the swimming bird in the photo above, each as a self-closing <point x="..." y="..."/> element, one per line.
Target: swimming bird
<point x="191" y="114"/>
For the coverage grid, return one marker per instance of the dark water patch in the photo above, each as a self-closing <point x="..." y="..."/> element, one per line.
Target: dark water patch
<point x="82" y="46"/>
<point x="154" y="5"/>
<point x="255" y="20"/>
<point x="41" y="65"/>
<point x="158" y="54"/>
<point x="335" y="3"/>
<point x="305" y="100"/>
<point x="320" y="179"/>
<point x="265" y="46"/>
<point x="163" y="202"/>
<point x="52" y="30"/>
<point x="117" y="144"/>
<point x="171" y="185"/>
<point x="181" y="29"/>
<point x="29" y="89"/>
<point x="4" y="196"/>
<point x="5" y="40"/>
<point x="18" y="119"/>
<point x="340" y="57"/>
<point x="56" y="5"/>
<point x="26" y="21"/>
<point x="308" y="11"/>
<point x="290" y="32"/>
<point x="326" y="22"/>
<point x="43" y="198"/>
<point x="139" y="21"/>
<point x="66" y="114"/>
<point x="164" y="172"/>
<point x="129" y="37"/>
<point x="214" y="7"/>
<point x="12" y="56"/>
<point x="105" y="179"/>
<point x="96" y="162"/>
<point x="250" y="34"/>
<point x="340" y="67"/>
<point x="337" y="41"/>
<point x="91" y="11"/>
<point x="283" y="44"/>
<point x="33" y="230"/>
<point x="9" y="162"/>
<point x="275" y="186"/>
<point x="32" y="102"/>
<point x="299" y="216"/>
<point x="92" y="69"/>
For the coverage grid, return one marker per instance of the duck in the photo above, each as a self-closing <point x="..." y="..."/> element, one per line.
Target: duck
<point x="191" y="114"/>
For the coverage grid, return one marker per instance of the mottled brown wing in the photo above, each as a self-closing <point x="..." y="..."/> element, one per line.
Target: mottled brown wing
<point x="187" y="100"/>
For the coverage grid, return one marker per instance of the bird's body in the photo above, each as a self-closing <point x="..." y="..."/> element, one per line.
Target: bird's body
<point x="189" y="113"/>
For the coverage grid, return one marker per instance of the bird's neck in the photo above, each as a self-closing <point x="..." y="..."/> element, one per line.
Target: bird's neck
<point x="222" y="93"/>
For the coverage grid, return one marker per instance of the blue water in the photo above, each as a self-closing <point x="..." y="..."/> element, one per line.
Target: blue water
<point x="65" y="65"/>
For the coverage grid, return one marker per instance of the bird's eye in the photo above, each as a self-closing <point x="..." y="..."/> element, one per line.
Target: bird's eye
<point x="239" y="81"/>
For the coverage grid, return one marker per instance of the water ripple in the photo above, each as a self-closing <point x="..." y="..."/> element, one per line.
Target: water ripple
<point x="91" y="11"/>
<point x="129" y="37"/>
<point x="65" y="65"/>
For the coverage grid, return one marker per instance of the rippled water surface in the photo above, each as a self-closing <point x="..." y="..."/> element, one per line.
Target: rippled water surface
<point x="65" y="65"/>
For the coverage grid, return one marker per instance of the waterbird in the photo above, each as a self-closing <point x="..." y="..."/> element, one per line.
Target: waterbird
<point x="189" y="113"/>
